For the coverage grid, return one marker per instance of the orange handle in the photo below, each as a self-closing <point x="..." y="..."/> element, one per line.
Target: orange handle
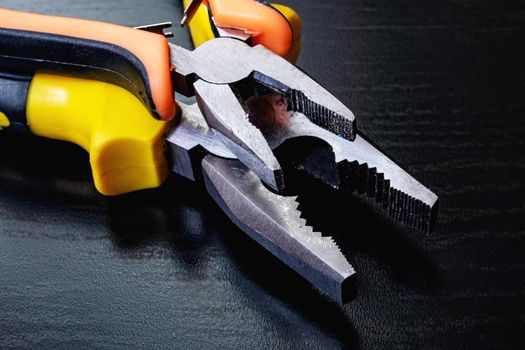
<point x="151" y="50"/>
<point x="267" y="26"/>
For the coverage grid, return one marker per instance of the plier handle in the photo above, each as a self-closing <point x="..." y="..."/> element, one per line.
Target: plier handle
<point x="274" y="26"/>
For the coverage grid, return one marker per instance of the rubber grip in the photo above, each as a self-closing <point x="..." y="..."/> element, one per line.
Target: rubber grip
<point x="125" y="145"/>
<point x="137" y="60"/>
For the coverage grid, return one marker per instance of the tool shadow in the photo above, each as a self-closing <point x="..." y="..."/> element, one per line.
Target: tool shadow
<point x="140" y="220"/>
<point x="143" y="220"/>
<point x="181" y="218"/>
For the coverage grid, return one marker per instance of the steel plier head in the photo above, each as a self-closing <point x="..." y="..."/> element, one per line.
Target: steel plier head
<point x="227" y="76"/>
<point x="251" y="101"/>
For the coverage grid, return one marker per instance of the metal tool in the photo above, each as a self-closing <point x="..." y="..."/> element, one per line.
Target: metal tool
<point x="299" y="107"/>
<point x="231" y="129"/>
<point x="269" y="218"/>
<point x="225" y="73"/>
<point x="249" y="101"/>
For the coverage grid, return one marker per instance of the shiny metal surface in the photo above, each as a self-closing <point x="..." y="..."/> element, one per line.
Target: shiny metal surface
<point x="235" y="71"/>
<point x="224" y="73"/>
<point x="229" y="121"/>
<point x="228" y="61"/>
<point x="357" y="165"/>
<point x="275" y="223"/>
<point x="270" y="219"/>
<point x="191" y="132"/>
<point x="363" y="167"/>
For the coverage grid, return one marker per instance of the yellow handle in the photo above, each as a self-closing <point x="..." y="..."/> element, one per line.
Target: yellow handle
<point x="201" y="31"/>
<point x="295" y="22"/>
<point x="4" y="121"/>
<point x="125" y="144"/>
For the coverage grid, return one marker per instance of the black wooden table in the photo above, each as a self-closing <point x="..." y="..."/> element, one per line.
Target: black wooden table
<point x="440" y="85"/>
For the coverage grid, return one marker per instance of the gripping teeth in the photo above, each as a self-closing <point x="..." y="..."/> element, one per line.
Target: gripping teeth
<point x="274" y="221"/>
<point x="320" y="115"/>
<point x="309" y="234"/>
<point x="353" y="166"/>
<point x="401" y="206"/>
<point x="297" y="216"/>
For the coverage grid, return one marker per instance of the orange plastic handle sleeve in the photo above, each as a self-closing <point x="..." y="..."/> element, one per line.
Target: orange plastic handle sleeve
<point x="151" y="49"/>
<point x="267" y="26"/>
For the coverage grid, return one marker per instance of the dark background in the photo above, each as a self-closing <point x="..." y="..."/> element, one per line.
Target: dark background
<point x="439" y="84"/>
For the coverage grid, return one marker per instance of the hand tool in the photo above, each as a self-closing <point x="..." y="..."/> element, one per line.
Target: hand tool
<point x="98" y="84"/>
<point x="256" y="22"/>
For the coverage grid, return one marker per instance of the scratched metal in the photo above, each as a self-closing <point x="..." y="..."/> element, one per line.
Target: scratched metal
<point x="437" y="84"/>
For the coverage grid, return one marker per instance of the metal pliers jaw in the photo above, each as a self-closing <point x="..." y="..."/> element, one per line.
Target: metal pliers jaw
<point x="270" y="219"/>
<point x="251" y="101"/>
<point x="226" y="74"/>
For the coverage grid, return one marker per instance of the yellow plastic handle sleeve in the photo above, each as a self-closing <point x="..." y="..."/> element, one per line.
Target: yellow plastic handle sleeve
<point x="200" y="26"/>
<point x="4" y="121"/>
<point x="201" y="31"/>
<point x="125" y="144"/>
<point x="295" y="23"/>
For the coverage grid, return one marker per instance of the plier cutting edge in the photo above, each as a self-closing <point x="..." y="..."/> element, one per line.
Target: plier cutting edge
<point x="99" y="84"/>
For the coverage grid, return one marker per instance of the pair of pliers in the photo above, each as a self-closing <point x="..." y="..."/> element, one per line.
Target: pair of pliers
<point x="274" y="26"/>
<point x="110" y="89"/>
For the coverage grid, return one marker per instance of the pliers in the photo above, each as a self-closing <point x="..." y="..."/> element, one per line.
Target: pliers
<point x="110" y="89"/>
<point x="257" y="22"/>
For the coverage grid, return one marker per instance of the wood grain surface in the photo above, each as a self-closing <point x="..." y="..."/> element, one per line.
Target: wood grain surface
<point x="439" y="85"/>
